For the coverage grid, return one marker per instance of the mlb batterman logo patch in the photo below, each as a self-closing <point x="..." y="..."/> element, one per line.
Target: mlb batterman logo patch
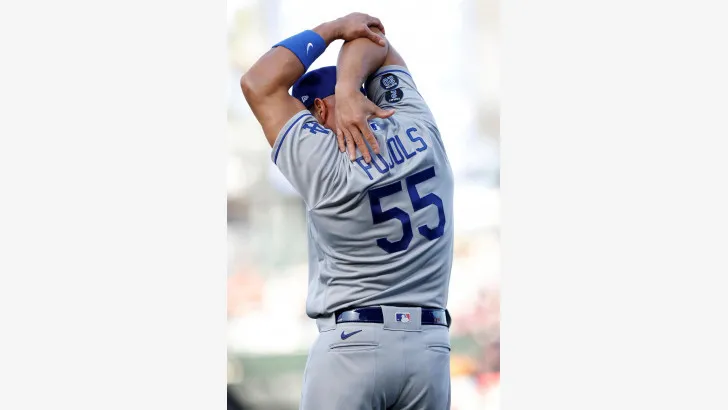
<point x="389" y="81"/>
<point x="402" y="317"/>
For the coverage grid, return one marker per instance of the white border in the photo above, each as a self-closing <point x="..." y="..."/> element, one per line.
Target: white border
<point x="614" y="205"/>
<point x="112" y="223"/>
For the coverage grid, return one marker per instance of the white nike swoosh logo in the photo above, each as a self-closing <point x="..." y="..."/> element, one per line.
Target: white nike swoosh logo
<point x="308" y="47"/>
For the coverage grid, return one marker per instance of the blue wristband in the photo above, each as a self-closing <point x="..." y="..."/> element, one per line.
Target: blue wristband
<point x="307" y="46"/>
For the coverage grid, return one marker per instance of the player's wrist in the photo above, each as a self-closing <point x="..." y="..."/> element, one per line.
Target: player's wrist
<point x="329" y="31"/>
<point x="347" y="87"/>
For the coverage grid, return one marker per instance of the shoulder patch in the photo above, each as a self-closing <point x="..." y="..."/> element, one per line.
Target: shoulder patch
<point x="389" y="81"/>
<point x="394" y="96"/>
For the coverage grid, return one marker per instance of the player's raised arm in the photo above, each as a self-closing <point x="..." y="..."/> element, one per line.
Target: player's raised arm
<point x="357" y="60"/>
<point x="265" y="86"/>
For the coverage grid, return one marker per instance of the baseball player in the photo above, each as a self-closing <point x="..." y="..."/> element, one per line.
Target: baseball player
<point x="378" y="190"/>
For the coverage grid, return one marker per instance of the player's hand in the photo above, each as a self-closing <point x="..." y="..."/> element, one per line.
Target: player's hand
<point x="357" y="25"/>
<point x="353" y="110"/>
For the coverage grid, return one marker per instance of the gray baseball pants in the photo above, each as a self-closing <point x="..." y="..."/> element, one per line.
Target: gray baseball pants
<point x="373" y="366"/>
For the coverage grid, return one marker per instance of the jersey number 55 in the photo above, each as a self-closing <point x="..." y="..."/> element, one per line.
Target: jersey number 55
<point x="418" y="203"/>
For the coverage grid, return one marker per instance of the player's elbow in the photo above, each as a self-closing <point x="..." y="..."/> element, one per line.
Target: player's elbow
<point x="249" y="88"/>
<point x="254" y="89"/>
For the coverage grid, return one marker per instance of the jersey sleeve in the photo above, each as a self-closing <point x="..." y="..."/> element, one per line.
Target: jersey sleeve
<point x="393" y="87"/>
<point x="307" y="155"/>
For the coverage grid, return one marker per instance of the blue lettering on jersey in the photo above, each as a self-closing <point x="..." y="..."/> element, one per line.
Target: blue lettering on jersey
<point x="390" y="163"/>
<point x="406" y="154"/>
<point x="314" y="127"/>
<point x="394" y="150"/>
<point x="416" y="138"/>
<point x="399" y="152"/>
<point x="366" y="167"/>
<point x="374" y="161"/>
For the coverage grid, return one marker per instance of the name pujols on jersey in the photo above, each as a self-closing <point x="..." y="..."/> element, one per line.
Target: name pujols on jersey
<point x="398" y="152"/>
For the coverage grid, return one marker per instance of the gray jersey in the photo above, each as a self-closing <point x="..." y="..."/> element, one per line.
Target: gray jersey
<point x="378" y="233"/>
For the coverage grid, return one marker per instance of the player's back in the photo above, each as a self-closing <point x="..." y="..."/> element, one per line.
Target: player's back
<point x="384" y="235"/>
<point x="378" y="233"/>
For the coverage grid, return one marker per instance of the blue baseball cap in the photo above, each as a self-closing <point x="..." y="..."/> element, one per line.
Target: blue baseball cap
<point x="319" y="83"/>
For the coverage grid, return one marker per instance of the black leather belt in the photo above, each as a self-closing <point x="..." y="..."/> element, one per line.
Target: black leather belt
<point x="439" y="317"/>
